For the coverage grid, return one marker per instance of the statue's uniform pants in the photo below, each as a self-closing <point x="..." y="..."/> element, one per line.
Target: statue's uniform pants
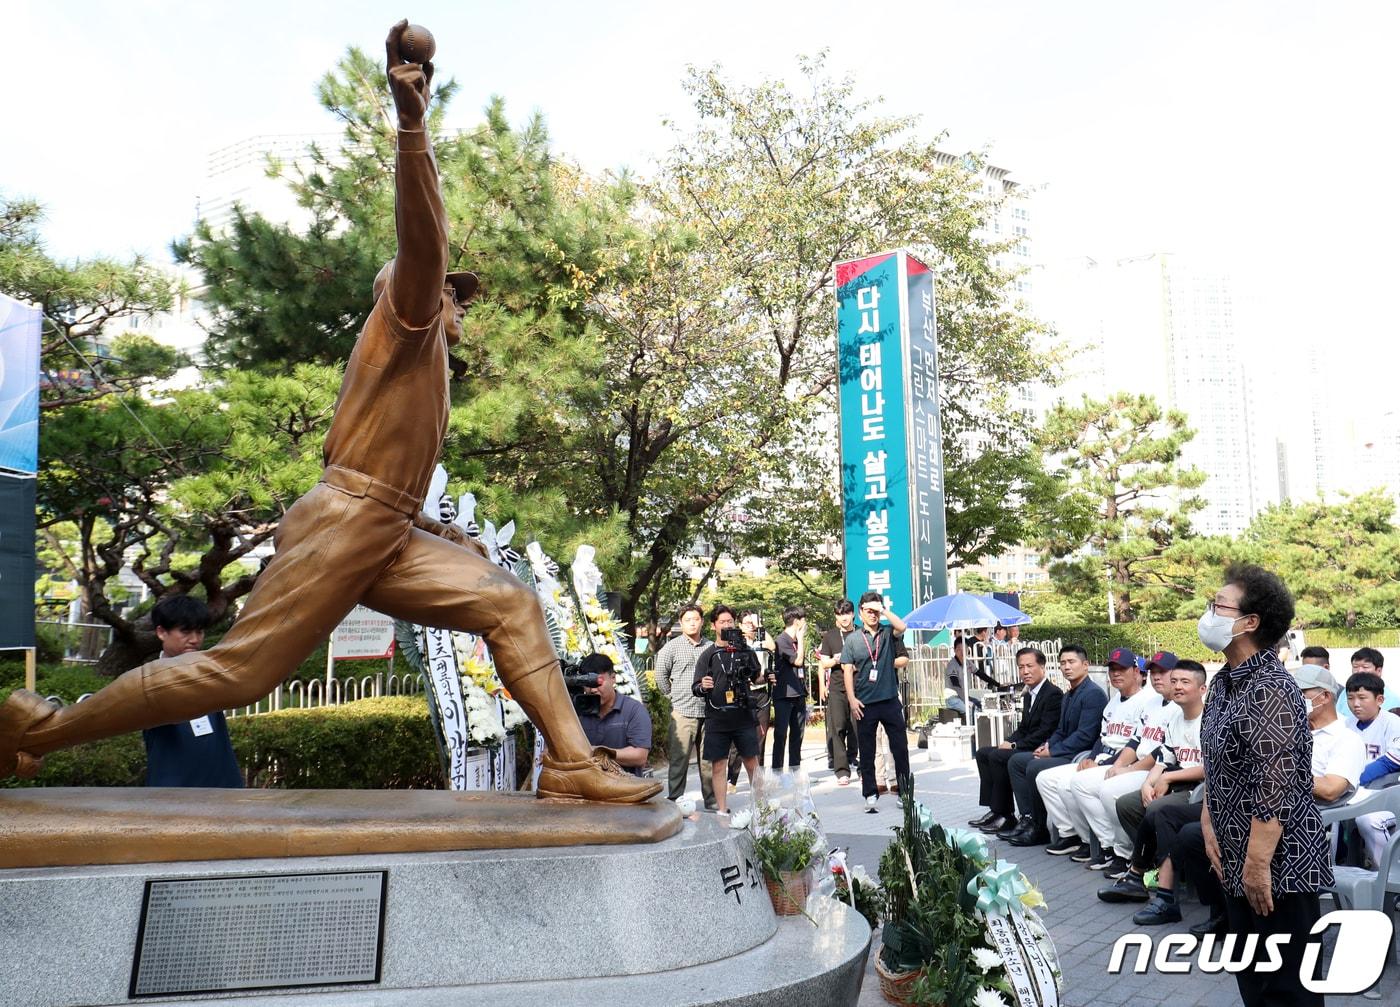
<point x="338" y="545"/>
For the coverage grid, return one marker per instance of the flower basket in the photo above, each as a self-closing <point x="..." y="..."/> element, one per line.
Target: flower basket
<point x="896" y="987"/>
<point x="789" y="893"/>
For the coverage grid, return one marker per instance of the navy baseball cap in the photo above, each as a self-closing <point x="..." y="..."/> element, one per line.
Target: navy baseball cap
<point x="1163" y="659"/>
<point x="1123" y="657"/>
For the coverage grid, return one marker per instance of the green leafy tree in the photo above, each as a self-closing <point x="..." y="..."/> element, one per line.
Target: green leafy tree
<point x="185" y="493"/>
<point x="83" y="361"/>
<point x="530" y="364"/>
<point x="650" y="361"/>
<point x="1341" y="560"/>
<point x="722" y="349"/>
<point x="1120" y="458"/>
<point x="770" y="595"/>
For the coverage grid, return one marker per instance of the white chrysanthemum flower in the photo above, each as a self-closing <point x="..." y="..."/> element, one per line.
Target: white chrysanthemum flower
<point x="986" y="959"/>
<point x="515" y="716"/>
<point x="985" y="997"/>
<point x="741" y="819"/>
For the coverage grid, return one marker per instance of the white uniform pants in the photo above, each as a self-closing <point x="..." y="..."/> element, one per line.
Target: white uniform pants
<point x="1376" y="830"/>
<point x="1096" y="798"/>
<point x="1061" y="808"/>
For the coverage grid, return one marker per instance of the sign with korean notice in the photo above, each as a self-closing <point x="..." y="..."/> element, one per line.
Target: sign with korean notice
<point x="891" y="432"/>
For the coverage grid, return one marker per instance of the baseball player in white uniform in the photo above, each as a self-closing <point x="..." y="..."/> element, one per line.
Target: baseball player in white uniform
<point x="1122" y="720"/>
<point x="1096" y="800"/>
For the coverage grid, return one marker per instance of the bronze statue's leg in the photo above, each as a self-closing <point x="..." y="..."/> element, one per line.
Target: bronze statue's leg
<point x="331" y="545"/>
<point x="436" y="583"/>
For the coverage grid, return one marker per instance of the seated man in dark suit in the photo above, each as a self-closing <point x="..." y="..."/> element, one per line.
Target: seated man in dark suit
<point x="1081" y="718"/>
<point x="1040" y="713"/>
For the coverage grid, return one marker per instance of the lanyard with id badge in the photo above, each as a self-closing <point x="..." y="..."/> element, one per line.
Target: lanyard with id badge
<point x="874" y="654"/>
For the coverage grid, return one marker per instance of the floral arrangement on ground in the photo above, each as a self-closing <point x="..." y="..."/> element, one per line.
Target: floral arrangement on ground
<point x="945" y="898"/>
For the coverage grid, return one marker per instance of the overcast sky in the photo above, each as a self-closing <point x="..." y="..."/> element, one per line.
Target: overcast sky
<point x="1257" y="135"/>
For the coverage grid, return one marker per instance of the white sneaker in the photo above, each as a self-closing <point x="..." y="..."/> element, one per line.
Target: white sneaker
<point x="872" y="800"/>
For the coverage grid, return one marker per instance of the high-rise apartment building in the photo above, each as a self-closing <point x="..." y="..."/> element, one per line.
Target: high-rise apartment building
<point x="1162" y="325"/>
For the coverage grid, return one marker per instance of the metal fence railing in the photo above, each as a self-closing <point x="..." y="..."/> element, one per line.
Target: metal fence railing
<point x="81" y="642"/>
<point x="299" y="695"/>
<point x="926" y="677"/>
<point x="303" y="695"/>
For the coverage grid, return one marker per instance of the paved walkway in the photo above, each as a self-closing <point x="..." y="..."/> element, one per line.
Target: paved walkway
<point x="1082" y="927"/>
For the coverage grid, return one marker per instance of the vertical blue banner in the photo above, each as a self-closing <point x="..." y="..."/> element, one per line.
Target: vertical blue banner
<point x="928" y="528"/>
<point x="20" y="327"/>
<point x="19" y="385"/>
<point x="891" y="434"/>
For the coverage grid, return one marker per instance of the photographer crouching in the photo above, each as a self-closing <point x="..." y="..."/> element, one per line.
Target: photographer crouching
<point x="608" y="718"/>
<point x="722" y="679"/>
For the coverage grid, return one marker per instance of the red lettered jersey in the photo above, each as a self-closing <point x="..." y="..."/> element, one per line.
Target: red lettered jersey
<point x="1182" y="747"/>
<point x="1154" y="726"/>
<point x="1123" y="719"/>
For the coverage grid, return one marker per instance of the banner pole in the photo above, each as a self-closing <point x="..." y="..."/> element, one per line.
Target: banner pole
<point x="30" y="671"/>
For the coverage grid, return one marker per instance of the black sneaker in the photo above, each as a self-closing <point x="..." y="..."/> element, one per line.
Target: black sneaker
<point x="1102" y="861"/>
<point x="1117" y="869"/>
<point x="1060" y="847"/>
<point x="1083" y="855"/>
<point x="1158" y="912"/>
<point x="1128" y="888"/>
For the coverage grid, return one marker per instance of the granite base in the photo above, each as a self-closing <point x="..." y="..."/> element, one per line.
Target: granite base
<point x="661" y="923"/>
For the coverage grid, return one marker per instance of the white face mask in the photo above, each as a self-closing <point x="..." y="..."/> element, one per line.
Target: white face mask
<point x="1215" y="630"/>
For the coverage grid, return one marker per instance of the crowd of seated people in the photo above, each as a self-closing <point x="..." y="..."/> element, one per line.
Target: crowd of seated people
<point x="1112" y="778"/>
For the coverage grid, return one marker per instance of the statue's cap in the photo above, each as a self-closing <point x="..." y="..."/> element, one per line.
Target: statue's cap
<point x="466" y="283"/>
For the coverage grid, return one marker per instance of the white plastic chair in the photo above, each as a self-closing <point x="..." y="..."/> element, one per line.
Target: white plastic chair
<point x="1356" y="887"/>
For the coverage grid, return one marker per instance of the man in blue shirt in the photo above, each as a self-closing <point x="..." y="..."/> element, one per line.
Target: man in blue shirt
<point x="867" y="659"/>
<point x="192" y="753"/>
<point x="621" y="723"/>
<point x="1081" y="715"/>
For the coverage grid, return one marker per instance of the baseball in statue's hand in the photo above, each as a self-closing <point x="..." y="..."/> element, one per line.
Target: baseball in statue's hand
<point x="416" y="44"/>
<point x="410" y="83"/>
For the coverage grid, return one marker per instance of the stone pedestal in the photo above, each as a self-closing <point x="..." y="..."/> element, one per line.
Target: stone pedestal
<point x="682" y="921"/>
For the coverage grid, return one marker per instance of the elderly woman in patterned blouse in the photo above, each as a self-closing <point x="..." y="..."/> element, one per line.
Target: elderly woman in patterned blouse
<point x="1261" y="825"/>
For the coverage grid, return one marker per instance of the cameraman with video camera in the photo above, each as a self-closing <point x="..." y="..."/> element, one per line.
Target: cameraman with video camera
<point x="722" y="679"/>
<point x="610" y="719"/>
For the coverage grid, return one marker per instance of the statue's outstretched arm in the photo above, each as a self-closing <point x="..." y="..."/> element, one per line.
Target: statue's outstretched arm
<point x="416" y="283"/>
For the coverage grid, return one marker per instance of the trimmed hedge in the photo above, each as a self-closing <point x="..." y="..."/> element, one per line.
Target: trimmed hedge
<point x="67" y="681"/>
<point x="379" y="744"/>
<point x="375" y="744"/>
<point x="1180" y="638"/>
<point x="1352" y="639"/>
<point x="659" y="708"/>
<point x="112" y="762"/>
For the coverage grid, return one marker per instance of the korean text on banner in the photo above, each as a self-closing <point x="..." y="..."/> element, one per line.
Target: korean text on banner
<point x="891" y="437"/>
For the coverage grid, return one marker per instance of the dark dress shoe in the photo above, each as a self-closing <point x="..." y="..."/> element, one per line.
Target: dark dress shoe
<point x="1215" y="925"/>
<point x="1015" y="826"/>
<point x="977" y="823"/>
<point x="1034" y="836"/>
<point x="997" y="823"/>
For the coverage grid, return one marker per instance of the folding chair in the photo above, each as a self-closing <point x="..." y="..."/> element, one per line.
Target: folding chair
<point x="1356" y="887"/>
